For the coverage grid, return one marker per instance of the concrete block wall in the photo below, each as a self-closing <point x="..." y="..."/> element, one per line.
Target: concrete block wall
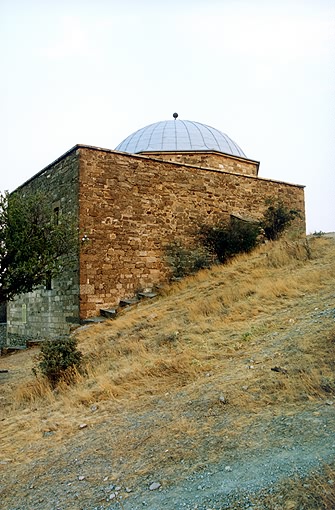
<point x="3" y="334"/>
<point x="50" y="313"/>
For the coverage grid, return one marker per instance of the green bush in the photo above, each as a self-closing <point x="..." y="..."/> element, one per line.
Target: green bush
<point x="230" y="238"/>
<point x="185" y="261"/>
<point x="277" y="218"/>
<point x="222" y="241"/>
<point x="59" y="359"/>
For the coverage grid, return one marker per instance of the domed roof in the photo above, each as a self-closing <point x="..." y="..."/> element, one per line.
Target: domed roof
<point x="179" y="135"/>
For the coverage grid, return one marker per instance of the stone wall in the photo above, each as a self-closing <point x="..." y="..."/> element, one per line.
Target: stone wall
<point x="3" y="312"/>
<point x="131" y="207"/>
<point x="49" y="313"/>
<point x="213" y="159"/>
<point x="3" y="334"/>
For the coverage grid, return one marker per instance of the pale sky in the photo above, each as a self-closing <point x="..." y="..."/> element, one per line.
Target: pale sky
<point x="93" y="72"/>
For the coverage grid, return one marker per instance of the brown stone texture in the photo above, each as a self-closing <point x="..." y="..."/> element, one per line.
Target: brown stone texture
<point x="210" y="159"/>
<point x="131" y="207"/>
<point x="128" y="209"/>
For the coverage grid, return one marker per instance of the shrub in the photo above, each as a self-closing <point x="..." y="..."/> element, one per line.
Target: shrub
<point x="328" y="384"/>
<point x="59" y="359"/>
<point x="230" y="238"/>
<point x="277" y="218"/>
<point x="185" y="261"/>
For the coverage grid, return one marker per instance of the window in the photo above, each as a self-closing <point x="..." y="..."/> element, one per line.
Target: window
<point x="56" y="215"/>
<point x="48" y="282"/>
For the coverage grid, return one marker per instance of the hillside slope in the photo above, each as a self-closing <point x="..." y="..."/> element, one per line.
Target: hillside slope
<point x="221" y="392"/>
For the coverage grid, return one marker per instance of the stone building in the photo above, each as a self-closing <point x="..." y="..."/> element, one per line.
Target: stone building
<point x="157" y="186"/>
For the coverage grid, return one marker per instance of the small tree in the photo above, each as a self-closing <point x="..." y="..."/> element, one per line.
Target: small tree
<point x="59" y="358"/>
<point x="230" y="238"/>
<point x="277" y="218"/>
<point x="31" y="242"/>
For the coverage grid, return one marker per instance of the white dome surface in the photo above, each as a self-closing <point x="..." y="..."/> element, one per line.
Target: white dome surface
<point x="179" y="135"/>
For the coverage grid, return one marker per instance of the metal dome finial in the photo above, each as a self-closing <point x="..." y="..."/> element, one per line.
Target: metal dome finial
<point x="175" y="116"/>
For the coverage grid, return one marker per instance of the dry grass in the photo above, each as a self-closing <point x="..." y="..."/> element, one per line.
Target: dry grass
<point x="214" y="333"/>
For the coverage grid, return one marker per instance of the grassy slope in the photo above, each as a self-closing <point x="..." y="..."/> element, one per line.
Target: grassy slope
<point x="157" y="373"/>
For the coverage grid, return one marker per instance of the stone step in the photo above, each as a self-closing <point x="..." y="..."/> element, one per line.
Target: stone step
<point x="34" y="343"/>
<point x="128" y="302"/>
<point x="147" y="295"/>
<point x="93" y="320"/>
<point x="109" y="313"/>
<point x="9" y="349"/>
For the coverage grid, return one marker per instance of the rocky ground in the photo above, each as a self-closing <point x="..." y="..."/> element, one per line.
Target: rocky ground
<point x="282" y="447"/>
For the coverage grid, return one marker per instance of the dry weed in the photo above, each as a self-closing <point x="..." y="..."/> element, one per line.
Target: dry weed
<point x="36" y="390"/>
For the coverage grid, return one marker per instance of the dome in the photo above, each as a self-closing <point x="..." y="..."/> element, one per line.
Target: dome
<point x="179" y="135"/>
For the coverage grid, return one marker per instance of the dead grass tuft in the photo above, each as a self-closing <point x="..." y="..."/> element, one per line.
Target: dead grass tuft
<point x="35" y="390"/>
<point x="287" y="252"/>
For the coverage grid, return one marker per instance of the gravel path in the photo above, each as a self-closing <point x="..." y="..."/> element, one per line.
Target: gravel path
<point x="282" y="446"/>
<point x="294" y="446"/>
